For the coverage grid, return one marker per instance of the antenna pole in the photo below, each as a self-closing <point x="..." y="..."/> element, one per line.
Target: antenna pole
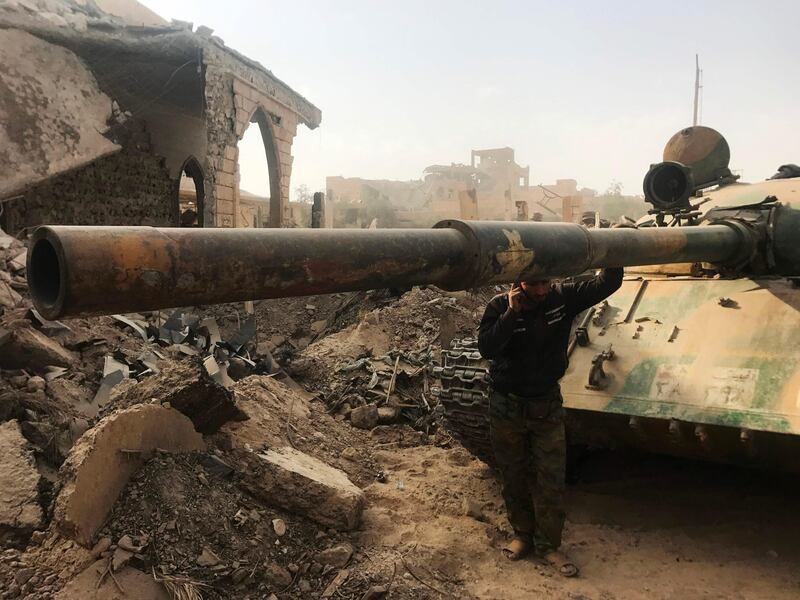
<point x="696" y="87"/>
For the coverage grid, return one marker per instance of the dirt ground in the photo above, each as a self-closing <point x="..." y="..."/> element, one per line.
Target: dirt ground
<point x="639" y="526"/>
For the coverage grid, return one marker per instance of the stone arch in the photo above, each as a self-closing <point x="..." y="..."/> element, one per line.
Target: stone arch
<point x="263" y="119"/>
<point x="193" y="172"/>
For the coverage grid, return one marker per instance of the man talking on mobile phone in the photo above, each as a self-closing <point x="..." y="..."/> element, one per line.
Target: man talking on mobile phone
<point x="525" y="333"/>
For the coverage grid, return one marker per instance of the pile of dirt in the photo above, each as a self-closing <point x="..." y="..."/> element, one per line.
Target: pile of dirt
<point x="201" y="527"/>
<point x="376" y="372"/>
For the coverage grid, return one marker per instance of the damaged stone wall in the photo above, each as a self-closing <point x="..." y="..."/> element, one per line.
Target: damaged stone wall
<point x="238" y="97"/>
<point x="235" y="103"/>
<point x="278" y="131"/>
<point x="132" y="187"/>
<point x="221" y="152"/>
<point x="52" y="111"/>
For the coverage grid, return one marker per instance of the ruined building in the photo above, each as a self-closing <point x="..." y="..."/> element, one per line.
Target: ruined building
<point x="103" y="114"/>
<point x="493" y="186"/>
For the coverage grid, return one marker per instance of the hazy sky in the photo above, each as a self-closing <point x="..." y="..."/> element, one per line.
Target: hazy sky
<point x="587" y="90"/>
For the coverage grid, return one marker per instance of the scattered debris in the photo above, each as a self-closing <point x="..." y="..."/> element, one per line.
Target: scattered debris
<point x="334" y="585"/>
<point x="728" y="303"/>
<point x="113" y="399"/>
<point x="279" y="526"/>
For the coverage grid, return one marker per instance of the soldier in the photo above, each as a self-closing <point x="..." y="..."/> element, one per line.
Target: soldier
<point x="525" y="334"/>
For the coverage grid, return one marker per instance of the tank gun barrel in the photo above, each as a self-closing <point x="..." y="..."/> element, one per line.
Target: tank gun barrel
<point x="75" y="270"/>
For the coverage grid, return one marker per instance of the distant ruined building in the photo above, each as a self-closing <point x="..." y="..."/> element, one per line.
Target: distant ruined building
<point x="102" y="116"/>
<point x="492" y="187"/>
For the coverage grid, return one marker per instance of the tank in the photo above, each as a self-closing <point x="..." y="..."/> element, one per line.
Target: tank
<point x="694" y="355"/>
<point x="687" y="359"/>
<point x="691" y="359"/>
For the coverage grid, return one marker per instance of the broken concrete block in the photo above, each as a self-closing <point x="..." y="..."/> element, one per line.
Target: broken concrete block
<point x="388" y="414"/>
<point x="304" y="485"/>
<point x="364" y="417"/>
<point x="36" y="384"/>
<point x="11" y="407"/>
<point x="20" y="511"/>
<point x="120" y="558"/>
<point x="277" y="576"/>
<point x="267" y="404"/>
<point x="27" y="348"/>
<point x="337" y="556"/>
<point x="17" y="263"/>
<point x="279" y="527"/>
<point x="207" y="558"/>
<point x="472" y="508"/>
<point x="376" y="592"/>
<point x="102" y="461"/>
<point x="189" y="389"/>
<point x="54" y="440"/>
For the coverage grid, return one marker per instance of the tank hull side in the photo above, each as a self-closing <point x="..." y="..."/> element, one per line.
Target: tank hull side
<point x="682" y="354"/>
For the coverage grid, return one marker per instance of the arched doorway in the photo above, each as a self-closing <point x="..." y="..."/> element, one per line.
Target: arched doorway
<point x="259" y="183"/>
<point x="191" y="194"/>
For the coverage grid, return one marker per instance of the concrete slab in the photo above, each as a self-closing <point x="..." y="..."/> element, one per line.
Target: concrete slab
<point x="30" y="349"/>
<point x="105" y="457"/>
<point x="52" y="95"/>
<point x="304" y="485"/>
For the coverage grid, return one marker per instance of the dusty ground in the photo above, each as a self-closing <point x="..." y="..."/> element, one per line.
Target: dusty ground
<point x="639" y="526"/>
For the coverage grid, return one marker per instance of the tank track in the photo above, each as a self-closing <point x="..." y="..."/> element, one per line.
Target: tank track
<point x="463" y="392"/>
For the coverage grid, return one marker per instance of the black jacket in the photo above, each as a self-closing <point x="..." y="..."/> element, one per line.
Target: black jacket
<point x="528" y="349"/>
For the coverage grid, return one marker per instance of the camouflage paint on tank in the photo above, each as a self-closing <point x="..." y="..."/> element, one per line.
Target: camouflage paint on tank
<point x="738" y="194"/>
<point x="725" y="366"/>
<point x="680" y="354"/>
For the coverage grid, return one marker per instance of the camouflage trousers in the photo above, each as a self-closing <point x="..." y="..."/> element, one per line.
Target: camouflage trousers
<point x="530" y="450"/>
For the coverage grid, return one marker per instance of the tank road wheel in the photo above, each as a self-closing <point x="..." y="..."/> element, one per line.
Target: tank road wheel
<point x="464" y="394"/>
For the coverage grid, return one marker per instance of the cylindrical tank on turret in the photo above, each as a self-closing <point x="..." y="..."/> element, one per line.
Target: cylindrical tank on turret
<point x="695" y="158"/>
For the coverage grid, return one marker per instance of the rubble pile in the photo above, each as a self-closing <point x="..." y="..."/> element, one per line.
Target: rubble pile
<point x="187" y="518"/>
<point x="377" y="372"/>
<point x="12" y="268"/>
<point x="204" y="452"/>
